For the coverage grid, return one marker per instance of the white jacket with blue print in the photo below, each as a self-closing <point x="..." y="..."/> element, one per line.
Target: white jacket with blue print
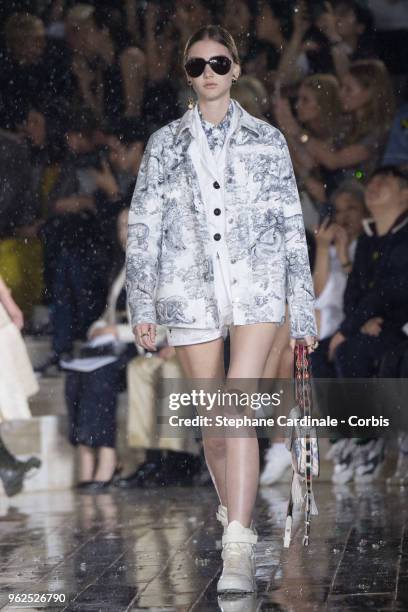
<point x="169" y="270"/>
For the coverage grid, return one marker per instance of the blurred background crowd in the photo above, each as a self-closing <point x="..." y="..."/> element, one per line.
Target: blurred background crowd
<point x="82" y="87"/>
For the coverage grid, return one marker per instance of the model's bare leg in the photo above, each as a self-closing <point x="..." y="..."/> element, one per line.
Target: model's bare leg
<point x="276" y="365"/>
<point x="206" y="360"/>
<point x="250" y="348"/>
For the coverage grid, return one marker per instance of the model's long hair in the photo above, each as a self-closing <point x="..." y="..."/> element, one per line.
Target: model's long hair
<point x="380" y="109"/>
<point x="326" y="89"/>
<point x="216" y="33"/>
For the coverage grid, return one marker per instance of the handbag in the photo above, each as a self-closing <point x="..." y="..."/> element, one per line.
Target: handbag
<point x="303" y="446"/>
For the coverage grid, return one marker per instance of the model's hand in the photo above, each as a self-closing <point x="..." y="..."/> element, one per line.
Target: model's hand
<point x="145" y="335"/>
<point x="372" y="327"/>
<point x="310" y="342"/>
<point x="337" y="339"/>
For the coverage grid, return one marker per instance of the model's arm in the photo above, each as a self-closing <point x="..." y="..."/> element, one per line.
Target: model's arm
<point x="144" y="236"/>
<point x="299" y="284"/>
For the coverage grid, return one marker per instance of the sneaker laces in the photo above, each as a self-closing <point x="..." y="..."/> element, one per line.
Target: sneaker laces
<point x="233" y="552"/>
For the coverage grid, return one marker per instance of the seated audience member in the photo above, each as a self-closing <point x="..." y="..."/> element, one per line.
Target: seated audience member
<point x="319" y="110"/>
<point x="34" y="70"/>
<point x="92" y="396"/>
<point x="78" y="238"/>
<point x="336" y="241"/>
<point x="375" y="305"/>
<point x="109" y="72"/>
<point x="168" y="460"/>
<point x="367" y="98"/>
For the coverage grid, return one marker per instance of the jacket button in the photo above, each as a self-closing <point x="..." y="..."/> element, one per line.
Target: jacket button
<point x="217" y="236"/>
<point x="233" y="261"/>
<point x="217" y="211"/>
<point x="216" y="185"/>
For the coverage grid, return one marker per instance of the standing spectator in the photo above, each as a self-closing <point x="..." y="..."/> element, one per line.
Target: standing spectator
<point x="78" y="250"/>
<point x="17" y="383"/>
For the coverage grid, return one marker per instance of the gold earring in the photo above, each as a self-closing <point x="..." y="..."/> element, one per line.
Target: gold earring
<point x="190" y="101"/>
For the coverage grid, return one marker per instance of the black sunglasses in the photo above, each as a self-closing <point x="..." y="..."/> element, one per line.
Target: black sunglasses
<point x="196" y="65"/>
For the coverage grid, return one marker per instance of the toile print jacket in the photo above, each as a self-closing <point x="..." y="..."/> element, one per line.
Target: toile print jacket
<point x="169" y="263"/>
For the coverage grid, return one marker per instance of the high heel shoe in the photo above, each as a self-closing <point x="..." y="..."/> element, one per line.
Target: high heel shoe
<point x="94" y="486"/>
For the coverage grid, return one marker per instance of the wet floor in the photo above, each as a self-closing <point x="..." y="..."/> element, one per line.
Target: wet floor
<point x="156" y="550"/>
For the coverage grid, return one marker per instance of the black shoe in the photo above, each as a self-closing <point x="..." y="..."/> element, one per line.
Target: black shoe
<point x="147" y="473"/>
<point x="95" y="486"/>
<point x="12" y="475"/>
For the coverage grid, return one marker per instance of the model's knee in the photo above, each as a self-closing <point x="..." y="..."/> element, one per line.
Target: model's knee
<point x="216" y="447"/>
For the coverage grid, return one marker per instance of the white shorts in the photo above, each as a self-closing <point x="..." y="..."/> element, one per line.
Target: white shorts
<point x="179" y="336"/>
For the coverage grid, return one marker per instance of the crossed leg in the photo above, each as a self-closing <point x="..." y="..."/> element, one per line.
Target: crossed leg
<point x="233" y="461"/>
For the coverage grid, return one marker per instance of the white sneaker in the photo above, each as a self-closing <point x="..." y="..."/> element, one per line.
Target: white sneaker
<point x="277" y="461"/>
<point x="344" y="459"/>
<point x="238" y="554"/>
<point x="222" y="516"/>
<point x="241" y="603"/>
<point x="370" y="460"/>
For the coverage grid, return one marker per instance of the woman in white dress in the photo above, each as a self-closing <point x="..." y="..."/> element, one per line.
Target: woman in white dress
<point x="17" y="383"/>
<point x="216" y="243"/>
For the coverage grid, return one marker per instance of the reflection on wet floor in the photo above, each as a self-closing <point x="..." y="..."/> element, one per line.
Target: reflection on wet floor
<point x="156" y="550"/>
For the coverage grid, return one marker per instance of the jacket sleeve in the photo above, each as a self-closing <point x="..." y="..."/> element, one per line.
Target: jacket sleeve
<point x="299" y="285"/>
<point x="144" y="236"/>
